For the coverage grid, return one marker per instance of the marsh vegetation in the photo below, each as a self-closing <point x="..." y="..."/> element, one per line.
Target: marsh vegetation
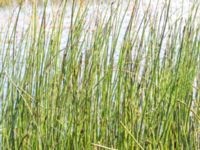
<point x="124" y="79"/>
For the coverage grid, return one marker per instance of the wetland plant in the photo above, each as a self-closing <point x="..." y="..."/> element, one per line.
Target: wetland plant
<point x="109" y="88"/>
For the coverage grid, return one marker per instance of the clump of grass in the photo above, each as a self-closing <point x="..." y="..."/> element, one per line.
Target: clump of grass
<point x="105" y="89"/>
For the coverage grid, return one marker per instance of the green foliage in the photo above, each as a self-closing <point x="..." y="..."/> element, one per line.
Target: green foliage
<point x="85" y="96"/>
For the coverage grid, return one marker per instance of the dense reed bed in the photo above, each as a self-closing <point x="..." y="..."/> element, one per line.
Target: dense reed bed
<point x="22" y="2"/>
<point x="107" y="88"/>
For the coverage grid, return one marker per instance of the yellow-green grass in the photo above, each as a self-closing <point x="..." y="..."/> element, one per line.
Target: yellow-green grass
<point x="9" y="2"/>
<point x="4" y="2"/>
<point x="83" y="97"/>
